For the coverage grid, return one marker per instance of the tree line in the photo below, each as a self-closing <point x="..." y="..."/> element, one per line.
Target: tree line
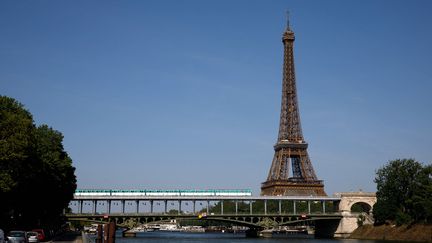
<point x="404" y="193"/>
<point x="37" y="179"/>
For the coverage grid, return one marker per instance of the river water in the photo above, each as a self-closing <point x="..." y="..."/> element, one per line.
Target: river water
<point x="184" y="237"/>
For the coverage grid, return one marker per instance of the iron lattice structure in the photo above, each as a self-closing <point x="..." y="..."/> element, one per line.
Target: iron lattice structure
<point x="291" y="148"/>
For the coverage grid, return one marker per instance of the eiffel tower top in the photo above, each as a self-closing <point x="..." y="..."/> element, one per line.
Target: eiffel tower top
<point x="288" y="34"/>
<point x="290" y="131"/>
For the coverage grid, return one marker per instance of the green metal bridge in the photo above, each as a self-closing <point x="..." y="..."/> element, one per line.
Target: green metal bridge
<point x="254" y="212"/>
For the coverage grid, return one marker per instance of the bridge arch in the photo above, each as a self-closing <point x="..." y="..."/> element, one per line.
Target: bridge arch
<point x="356" y="202"/>
<point x="361" y="207"/>
<point x="233" y="220"/>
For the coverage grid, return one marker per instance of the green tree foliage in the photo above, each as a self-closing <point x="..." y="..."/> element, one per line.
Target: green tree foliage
<point x="422" y="196"/>
<point x="404" y="192"/>
<point x="37" y="178"/>
<point x="55" y="176"/>
<point x="16" y="143"/>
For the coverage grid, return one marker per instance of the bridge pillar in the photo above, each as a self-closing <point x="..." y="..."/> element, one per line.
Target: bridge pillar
<point x="94" y="206"/>
<point x="193" y="203"/>
<point x="250" y="207"/>
<point x="166" y="205"/>
<point x="179" y="207"/>
<point x="80" y="206"/>
<point x="208" y="202"/>
<point x="323" y="207"/>
<point x="265" y="206"/>
<point x="294" y="207"/>
<point x="137" y="206"/>
<point x="309" y="207"/>
<point x="349" y="221"/>
<point x="236" y="207"/>
<point x="109" y="206"/>
<point x="123" y="205"/>
<point x="151" y="206"/>
<point x="280" y="207"/>
<point x="222" y="207"/>
<point x="346" y="225"/>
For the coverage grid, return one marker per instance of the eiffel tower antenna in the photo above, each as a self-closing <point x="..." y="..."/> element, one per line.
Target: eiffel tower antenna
<point x="288" y="20"/>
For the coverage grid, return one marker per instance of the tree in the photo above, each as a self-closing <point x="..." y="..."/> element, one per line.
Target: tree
<point x="16" y="154"/>
<point x="422" y="198"/>
<point x="55" y="179"/>
<point x="404" y="189"/>
<point x="16" y="141"/>
<point x="36" y="175"/>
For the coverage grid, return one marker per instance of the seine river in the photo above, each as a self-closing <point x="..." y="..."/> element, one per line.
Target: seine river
<point x="182" y="237"/>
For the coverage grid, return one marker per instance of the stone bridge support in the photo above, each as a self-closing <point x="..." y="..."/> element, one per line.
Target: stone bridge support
<point x="350" y="201"/>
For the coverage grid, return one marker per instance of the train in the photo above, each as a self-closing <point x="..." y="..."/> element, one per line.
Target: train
<point x="185" y="193"/>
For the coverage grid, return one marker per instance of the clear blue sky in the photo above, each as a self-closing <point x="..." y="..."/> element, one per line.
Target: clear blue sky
<point x="186" y="94"/>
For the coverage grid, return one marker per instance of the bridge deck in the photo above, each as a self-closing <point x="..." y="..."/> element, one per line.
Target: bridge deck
<point x="207" y="198"/>
<point x="183" y="201"/>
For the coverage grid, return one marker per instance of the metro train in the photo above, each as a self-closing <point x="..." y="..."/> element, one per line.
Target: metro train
<point x="193" y="193"/>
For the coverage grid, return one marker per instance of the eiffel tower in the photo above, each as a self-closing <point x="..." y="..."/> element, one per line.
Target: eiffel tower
<point x="291" y="148"/>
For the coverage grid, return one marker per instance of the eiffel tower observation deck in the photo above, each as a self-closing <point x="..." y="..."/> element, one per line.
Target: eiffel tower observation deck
<point x="291" y="172"/>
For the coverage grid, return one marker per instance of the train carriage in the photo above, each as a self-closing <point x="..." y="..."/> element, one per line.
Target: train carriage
<point x="165" y="193"/>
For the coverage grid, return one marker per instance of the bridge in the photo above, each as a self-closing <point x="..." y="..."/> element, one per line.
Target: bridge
<point x="297" y="205"/>
<point x="330" y="215"/>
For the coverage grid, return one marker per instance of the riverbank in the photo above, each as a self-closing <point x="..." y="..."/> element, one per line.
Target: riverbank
<point x="417" y="232"/>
